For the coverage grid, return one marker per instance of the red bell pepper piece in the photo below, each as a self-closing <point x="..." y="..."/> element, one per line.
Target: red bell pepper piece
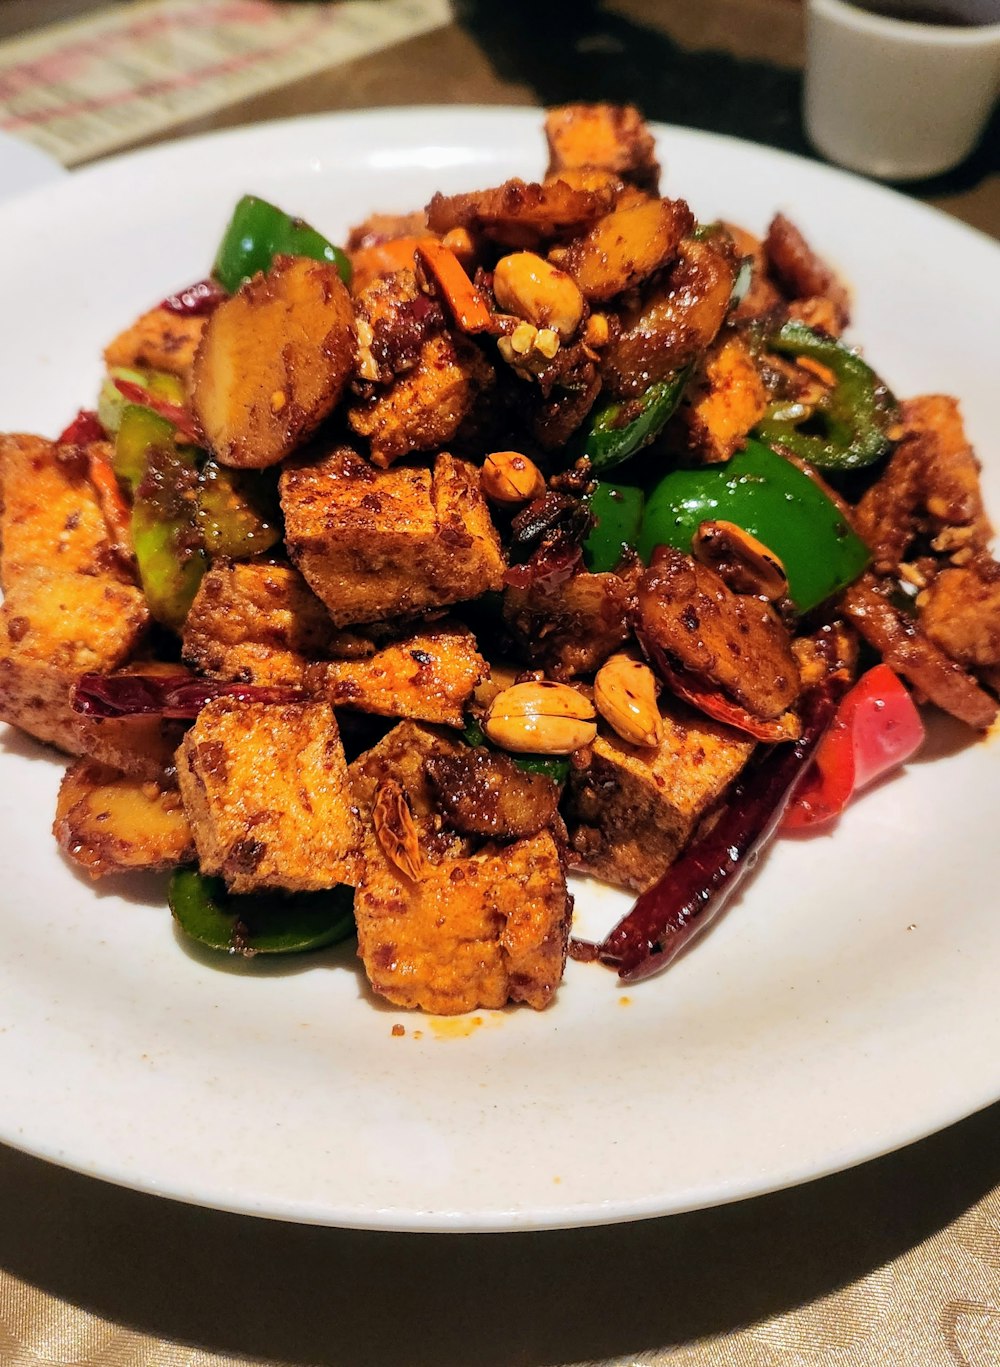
<point x="876" y="729"/>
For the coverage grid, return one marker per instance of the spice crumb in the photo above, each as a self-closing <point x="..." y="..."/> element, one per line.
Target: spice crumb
<point x="398" y="1030"/>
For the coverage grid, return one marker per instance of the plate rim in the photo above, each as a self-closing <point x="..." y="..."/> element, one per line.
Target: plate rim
<point x="557" y="1216"/>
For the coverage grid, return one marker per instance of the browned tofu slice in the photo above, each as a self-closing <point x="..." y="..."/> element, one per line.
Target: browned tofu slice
<point x="111" y="823"/>
<point x="574" y="626"/>
<point x="265" y="788"/>
<point x="634" y="809"/>
<point x="53" y="628"/>
<point x="159" y="340"/>
<point x="374" y="543"/>
<point x="256" y="623"/>
<point x="51" y="517"/>
<point x="725" y="401"/>
<point x="423" y="408"/>
<point x="429" y="676"/>
<point x="470" y="932"/>
<point x="612" y="136"/>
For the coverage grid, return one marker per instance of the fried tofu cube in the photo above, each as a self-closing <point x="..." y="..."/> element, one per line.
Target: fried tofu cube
<point x="634" y="809"/>
<point x="111" y="823"/>
<point x="256" y="623"/>
<point x="424" y="407"/>
<point x="429" y="676"/>
<point x="725" y="401"/>
<point x="611" y="136"/>
<point x="159" y="340"/>
<point x="473" y="932"/>
<point x="374" y="543"/>
<point x="265" y="788"/>
<point x="51" y="517"/>
<point x="53" y="628"/>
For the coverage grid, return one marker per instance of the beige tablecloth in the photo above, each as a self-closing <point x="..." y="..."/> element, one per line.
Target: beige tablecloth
<point x="895" y="1264"/>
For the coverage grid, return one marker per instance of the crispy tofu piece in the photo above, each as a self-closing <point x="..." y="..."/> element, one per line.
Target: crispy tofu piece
<point x="727" y="399"/>
<point x="382" y="543"/>
<point x="53" y="628"/>
<point x="159" y="340"/>
<point x="111" y="823"/>
<point x="572" y="627"/>
<point x="51" y="516"/>
<point x="139" y="747"/>
<point x="634" y="809"/>
<point x="471" y="932"/>
<point x="611" y="136"/>
<point x="424" y="407"/>
<point x="256" y="623"/>
<point x="626" y="247"/>
<point x="265" y="788"/>
<point x="429" y="676"/>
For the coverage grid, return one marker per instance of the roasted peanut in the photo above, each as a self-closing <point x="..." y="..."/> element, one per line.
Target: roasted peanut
<point x="625" y="695"/>
<point x="744" y="563"/>
<point x="543" y="718"/>
<point x="459" y="241"/>
<point x="532" y="288"/>
<point x="508" y="477"/>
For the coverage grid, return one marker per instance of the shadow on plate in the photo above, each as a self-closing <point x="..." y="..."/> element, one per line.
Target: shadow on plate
<point x="302" y="1295"/>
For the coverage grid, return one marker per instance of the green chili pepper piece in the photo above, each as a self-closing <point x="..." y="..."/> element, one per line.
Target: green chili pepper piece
<point x="855" y="417"/>
<point x="554" y="767"/>
<point x="237" y="511"/>
<point x="139" y="429"/>
<point x="619" y="429"/>
<point x="258" y="924"/>
<point x="165" y="533"/>
<point x="776" y="502"/>
<point x="618" y="510"/>
<point x="259" y="231"/>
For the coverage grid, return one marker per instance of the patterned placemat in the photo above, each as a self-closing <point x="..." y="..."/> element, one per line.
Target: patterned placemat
<point x="129" y="72"/>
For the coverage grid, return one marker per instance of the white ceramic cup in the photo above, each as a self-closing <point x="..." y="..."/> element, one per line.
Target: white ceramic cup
<point x="893" y="98"/>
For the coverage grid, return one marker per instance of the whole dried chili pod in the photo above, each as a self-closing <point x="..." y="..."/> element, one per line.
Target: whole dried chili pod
<point x="693" y="892"/>
<point x="180" y="696"/>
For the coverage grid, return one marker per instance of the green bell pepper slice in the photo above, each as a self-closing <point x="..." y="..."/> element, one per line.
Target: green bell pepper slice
<point x="853" y="420"/>
<point x="238" y="511"/>
<point x="258" y="924"/>
<point x="774" y="501"/>
<point x="258" y="232"/>
<point x="139" y="429"/>
<point x="619" y="429"/>
<point x="163" y="478"/>
<point x="617" y="509"/>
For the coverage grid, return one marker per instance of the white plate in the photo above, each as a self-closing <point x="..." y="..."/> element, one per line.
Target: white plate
<point x="846" y="1006"/>
<point x="22" y="166"/>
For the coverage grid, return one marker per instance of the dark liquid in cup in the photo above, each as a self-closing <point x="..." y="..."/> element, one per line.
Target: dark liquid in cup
<point x="971" y="14"/>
